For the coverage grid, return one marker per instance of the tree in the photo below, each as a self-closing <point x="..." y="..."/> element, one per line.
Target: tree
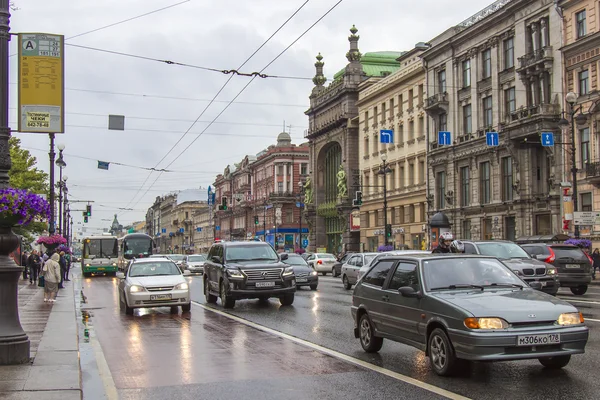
<point x="24" y="174"/>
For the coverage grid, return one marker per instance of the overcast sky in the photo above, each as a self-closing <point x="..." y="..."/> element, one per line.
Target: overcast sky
<point x="160" y="101"/>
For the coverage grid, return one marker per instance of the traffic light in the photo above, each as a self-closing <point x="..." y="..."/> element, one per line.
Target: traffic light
<point x="256" y="220"/>
<point x="88" y="210"/>
<point x="358" y="199"/>
<point x="85" y="219"/>
<point x="223" y="205"/>
<point x="388" y="230"/>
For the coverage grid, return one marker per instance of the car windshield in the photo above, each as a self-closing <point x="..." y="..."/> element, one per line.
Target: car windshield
<point x="569" y="252"/>
<point x="295" y="260"/>
<point x="326" y="255"/>
<point x="153" y="269"/>
<point x="458" y="273"/>
<point x="251" y="253"/>
<point x="176" y="257"/>
<point x="502" y="250"/>
<point x="199" y="258"/>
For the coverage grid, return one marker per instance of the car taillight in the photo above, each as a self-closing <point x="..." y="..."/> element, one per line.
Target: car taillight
<point x="589" y="258"/>
<point x="319" y="262"/>
<point x="552" y="256"/>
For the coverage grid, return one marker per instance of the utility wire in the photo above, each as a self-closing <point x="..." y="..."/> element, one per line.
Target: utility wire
<point x="243" y="89"/>
<point x="215" y="97"/>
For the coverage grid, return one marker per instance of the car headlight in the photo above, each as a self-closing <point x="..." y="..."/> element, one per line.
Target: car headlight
<point x="288" y="271"/>
<point x="136" y="288"/>
<point x="114" y="264"/>
<point x="234" y="273"/>
<point x="182" y="286"/>
<point x="574" y="318"/>
<point x="551" y="271"/>
<point x="487" y="323"/>
<point x="87" y="265"/>
<point x="314" y="273"/>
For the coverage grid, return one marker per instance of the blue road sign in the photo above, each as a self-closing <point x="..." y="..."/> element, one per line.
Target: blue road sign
<point x="547" y="139"/>
<point x="299" y="205"/>
<point x="198" y="229"/>
<point x="386" y="136"/>
<point x="218" y="228"/>
<point x="492" y="138"/>
<point x="103" y="165"/>
<point x="304" y="242"/>
<point x="444" y="138"/>
<point x="164" y="230"/>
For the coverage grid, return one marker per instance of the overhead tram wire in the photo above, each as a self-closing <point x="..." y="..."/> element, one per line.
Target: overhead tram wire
<point x="241" y="91"/>
<point x="216" y="95"/>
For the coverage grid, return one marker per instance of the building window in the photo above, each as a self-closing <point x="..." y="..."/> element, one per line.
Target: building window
<point x="466" y="229"/>
<point x="486" y="229"/>
<point x="289" y="216"/>
<point x="411" y="174"/>
<point x="510" y="101"/>
<point x="440" y="183"/>
<point x="485" y="192"/>
<point x="421" y="89"/>
<point x="466" y="73"/>
<point x="465" y="186"/>
<point x="486" y="58"/>
<point x="487" y="112"/>
<point x="510" y="229"/>
<point x="509" y="53"/>
<point x="442" y="81"/>
<point x="411" y="130"/>
<point x="543" y="224"/>
<point x="421" y="171"/>
<point x="584" y="82"/>
<point x="586" y="202"/>
<point x="581" y="26"/>
<point x="467" y="120"/>
<point x="280" y="187"/>
<point x="304" y="167"/>
<point x="400" y="134"/>
<point x="392" y="107"/>
<point x="280" y="170"/>
<point x="507" y="179"/>
<point x="443" y="122"/>
<point x="585" y="146"/>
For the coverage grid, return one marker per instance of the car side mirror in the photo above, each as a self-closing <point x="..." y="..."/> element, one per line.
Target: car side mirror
<point x="535" y="285"/>
<point x="408" y="291"/>
<point x="283" y="256"/>
<point x="217" y="259"/>
<point x="120" y="275"/>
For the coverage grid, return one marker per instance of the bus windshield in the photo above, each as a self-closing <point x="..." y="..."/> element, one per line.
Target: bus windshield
<point x="100" y="248"/>
<point x="136" y="246"/>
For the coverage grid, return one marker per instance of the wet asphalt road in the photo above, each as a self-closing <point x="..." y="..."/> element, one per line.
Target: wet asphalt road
<point x="156" y="354"/>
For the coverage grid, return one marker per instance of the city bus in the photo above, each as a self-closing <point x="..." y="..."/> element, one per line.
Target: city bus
<point x="100" y="255"/>
<point x="134" y="245"/>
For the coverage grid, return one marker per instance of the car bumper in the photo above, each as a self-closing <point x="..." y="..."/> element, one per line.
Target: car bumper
<point x="246" y="290"/>
<point x="572" y="280"/>
<point x="195" y="270"/>
<point x="310" y="280"/>
<point x="323" y="267"/>
<point x="549" y="284"/>
<point x="502" y="346"/>
<point x="100" y="269"/>
<point x="144" y="299"/>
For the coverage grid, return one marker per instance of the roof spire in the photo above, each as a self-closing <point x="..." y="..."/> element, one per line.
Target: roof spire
<point x="319" y="79"/>
<point x="353" y="54"/>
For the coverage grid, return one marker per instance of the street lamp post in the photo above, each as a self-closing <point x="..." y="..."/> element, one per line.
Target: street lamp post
<point x="384" y="170"/>
<point x="65" y="222"/>
<point x="581" y="119"/>
<point x="60" y="163"/>
<point x="301" y="206"/>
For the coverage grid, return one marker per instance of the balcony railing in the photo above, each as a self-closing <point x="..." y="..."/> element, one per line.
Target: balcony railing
<point x="540" y="55"/>
<point x="592" y="171"/>
<point x="435" y="102"/>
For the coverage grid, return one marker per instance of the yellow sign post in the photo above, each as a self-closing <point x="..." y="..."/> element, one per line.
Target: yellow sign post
<point x="41" y="83"/>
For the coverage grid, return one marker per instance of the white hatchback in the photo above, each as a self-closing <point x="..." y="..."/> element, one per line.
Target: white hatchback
<point x="322" y="262"/>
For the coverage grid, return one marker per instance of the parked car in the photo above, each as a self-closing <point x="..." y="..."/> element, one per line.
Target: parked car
<point x="194" y="263"/>
<point x="353" y="265"/>
<point x="247" y="270"/>
<point x="517" y="259"/>
<point x="153" y="282"/>
<point x="458" y="308"/>
<point x="573" y="265"/>
<point x="363" y="270"/>
<point x="306" y="255"/>
<point x="305" y="275"/>
<point x="337" y="267"/>
<point x="322" y="262"/>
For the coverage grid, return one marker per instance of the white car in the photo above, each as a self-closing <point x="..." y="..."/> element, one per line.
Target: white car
<point x="363" y="270"/>
<point x="153" y="282"/>
<point x="353" y="265"/>
<point x="195" y="263"/>
<point x="322" y="262"/>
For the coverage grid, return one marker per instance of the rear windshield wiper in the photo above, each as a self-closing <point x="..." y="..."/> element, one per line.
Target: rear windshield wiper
<point x="459" y="286"/>
<point x="515" y="285"/>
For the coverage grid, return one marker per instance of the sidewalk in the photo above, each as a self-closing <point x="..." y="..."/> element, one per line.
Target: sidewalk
<point x="54" y="370"/>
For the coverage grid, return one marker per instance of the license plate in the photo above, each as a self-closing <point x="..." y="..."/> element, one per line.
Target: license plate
<point x="100" y="268"/>
<point x="543" y="283"/>
<point x="538" y="340"/>
<point x="300" y="280"/>
<point x="572" y="266"/>
<point x="160" y="297"/>
<point x="265" y="284"/>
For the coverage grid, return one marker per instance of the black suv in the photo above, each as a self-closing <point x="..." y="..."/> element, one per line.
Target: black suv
<point x="516" y="258"/>
<point x="247" y="270"/>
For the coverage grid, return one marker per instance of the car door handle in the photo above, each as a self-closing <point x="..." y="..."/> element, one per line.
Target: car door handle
<point x="385" y="298"/>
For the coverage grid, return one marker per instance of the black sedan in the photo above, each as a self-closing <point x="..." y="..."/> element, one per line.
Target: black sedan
<point x="305" y="275"/>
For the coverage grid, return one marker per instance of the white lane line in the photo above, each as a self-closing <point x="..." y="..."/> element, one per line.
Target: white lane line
<point x="103" y="369"/>
<point x="591" y="319"/>
<point x="341" y="356"/>
<point x="571" y="300"/>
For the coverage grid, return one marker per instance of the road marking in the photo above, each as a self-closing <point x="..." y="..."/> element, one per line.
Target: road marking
<point x="591" y="319"/>
<point x="104" y="370"/>
<point x="569" y="299"/>
<point x="341" y="356"/>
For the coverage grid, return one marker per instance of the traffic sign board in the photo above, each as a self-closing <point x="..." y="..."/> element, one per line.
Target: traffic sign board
<point x="304" y="242"/>
<point x="492" y="138"/>
<point x="547" y="139"/>
<point x="444" y="138"/>
<point x="386" y="136"/>
<point x="586" y="218"/>
<point x="218" y="228"/>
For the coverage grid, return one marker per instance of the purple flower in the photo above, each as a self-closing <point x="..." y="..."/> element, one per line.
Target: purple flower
<point x="51" y="240"/>
<point x="22" y="206"/>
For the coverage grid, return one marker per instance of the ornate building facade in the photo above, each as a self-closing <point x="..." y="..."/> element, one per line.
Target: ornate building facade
<point x="394" y="103"/>
<point x="334" y="174"/>
<point x="500" y="71"/>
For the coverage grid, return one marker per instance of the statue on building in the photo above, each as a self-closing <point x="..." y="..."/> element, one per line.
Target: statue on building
<point x="308" y="191"/>
<point x="341" y="184"/>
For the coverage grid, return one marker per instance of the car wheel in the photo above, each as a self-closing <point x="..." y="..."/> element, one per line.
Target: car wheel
<point x="579" y="290"/>
<point x="186" y="307"/>
<point x="324" y="273"/>
<point x="369" y="342"/>
<point x="333" y="272"/>
<point x="210" y="298"/>
<point x="226" y="301"/>
<point x="313" y="287"/>
<point x="174" y="310"/>
<point x="346" y="283"/>
<point x="441" y="353"/>
<point x="128" y="310"/>
<point x="287" y="299"/>
<point x="557" y="362"/>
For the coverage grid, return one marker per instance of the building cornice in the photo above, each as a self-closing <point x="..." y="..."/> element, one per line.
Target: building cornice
<point x="579" y="46"/>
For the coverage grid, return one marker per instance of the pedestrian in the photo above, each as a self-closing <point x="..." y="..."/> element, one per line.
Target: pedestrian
<point x="24" y="258"/>
<point x="33" y="263"/>
<point x="68" y="260"/>
<point x="444" y="243"/>
<point x="51" y="273"/>
<point x="596" y="260"/>
<point x="63" y="268"/>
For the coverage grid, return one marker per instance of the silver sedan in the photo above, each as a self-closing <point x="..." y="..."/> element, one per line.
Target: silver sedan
<point x="153" y="282"/>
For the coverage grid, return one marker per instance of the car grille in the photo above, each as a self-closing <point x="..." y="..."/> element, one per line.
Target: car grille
<point x="159" y="289"/>
<point x="533" y="324"/>
<point x="534" y="272"/>
<point x="302" y="275"/>
<point x="262" y="274"/>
